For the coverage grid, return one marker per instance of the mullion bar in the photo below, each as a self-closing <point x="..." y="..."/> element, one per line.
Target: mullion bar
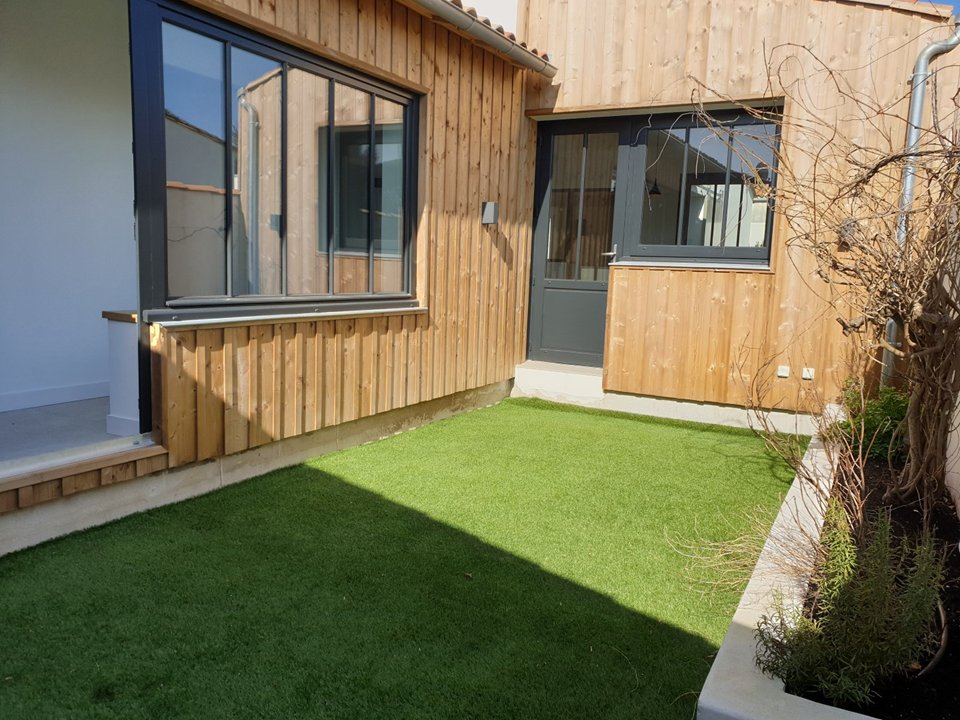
<point x="726" y="191"/>
<point x="583" y="172"/>
<point x="283" y="179"/>
<point x="371" y="161"/>
<point x="681" y="217"/>
<point x="228" y="161"/>
<point x="331" y="165"/>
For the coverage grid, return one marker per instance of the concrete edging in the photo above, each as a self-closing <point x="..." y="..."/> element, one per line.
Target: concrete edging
<point x="735" y="688"/>
<point x="37" y="524"/>
<point x="583" y="386"/>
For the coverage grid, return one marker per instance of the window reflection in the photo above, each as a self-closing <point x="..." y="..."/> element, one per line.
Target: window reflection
<point x="343" y="191"/>
<point x="308" y="107"/>
<point x="708" y="187"/>
<point x="195" y="163"/>
<point x="388" y="196"/>
<point x="255" y="160"/>
<point x="352" y="189"/>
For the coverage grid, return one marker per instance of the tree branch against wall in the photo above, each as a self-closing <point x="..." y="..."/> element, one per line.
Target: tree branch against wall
<point x="840" y="171"/>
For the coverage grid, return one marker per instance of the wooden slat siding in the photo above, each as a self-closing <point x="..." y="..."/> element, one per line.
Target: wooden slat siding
<point x="44" y="492"/>
<point x="80" y="482"/>
<point x="349" y="14"/>
<point x="349" y="354"/>
<point x="291" y="381"/>
<point x="486" y="233"/>
<point x="459" y="271"/>
<point x="446" y="352"/>
<point x="70" y="479"/>
<point x="411" y="349"/>
<point x="332" y="374"/>
<point x="210" y="394"/>
<point x="118" y="473"/>
<point x="504" y="259"/>
<point x="307" y="375"/>
<point x="471" y="259"/>
<point x="367" y="372"/>
<point x="437" y="266"/>
<point x="150" y="465"/>
<point x="180" y="387"/>
<point x="308" y="20"/>
<point x="265" y="10"/>
<point x="647" y="59"/>
<point x="281" y="379"/>
<point x="25" y="496"/>
<point x="388" y="364"/>
<point x="158" y="372"/>
<point x="8" y="501"/>
<point x="511" y="231"/>
<point x="367" y="30"/>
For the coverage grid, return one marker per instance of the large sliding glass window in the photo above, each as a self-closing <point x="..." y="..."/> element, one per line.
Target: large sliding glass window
<point x="285" y="178"/>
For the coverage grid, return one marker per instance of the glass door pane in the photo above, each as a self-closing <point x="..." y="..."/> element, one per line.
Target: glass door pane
<point x="565" y="181"/>
<point x="583" y="180"/>
<point x="596" y="218"/>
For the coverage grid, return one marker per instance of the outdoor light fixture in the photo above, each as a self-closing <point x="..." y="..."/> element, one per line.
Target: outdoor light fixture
<point x="489" y="213"/>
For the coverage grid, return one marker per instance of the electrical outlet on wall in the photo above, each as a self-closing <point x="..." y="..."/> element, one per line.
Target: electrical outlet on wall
<point x="783" y="371"/>
<point x="807" y="374"/>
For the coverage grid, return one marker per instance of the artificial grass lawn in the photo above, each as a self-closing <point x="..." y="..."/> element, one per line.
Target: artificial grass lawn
<point x="510" y="562"/>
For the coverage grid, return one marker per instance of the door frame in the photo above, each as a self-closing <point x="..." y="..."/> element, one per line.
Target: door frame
<point x="547" y="131"/>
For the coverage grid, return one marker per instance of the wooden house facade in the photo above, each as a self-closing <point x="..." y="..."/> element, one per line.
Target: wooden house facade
<point x="683" y="322"/>
<point x="311" y="178"/>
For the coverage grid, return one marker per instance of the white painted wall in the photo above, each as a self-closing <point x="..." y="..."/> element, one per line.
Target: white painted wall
<point x="67" y="248"/>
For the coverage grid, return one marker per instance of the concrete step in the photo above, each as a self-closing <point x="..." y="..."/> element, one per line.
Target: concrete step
<point x="583" y="386"/>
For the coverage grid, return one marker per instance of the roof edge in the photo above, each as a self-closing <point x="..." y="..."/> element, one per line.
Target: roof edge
<point x="466" y="21"/>
<point x="917" y="7"/>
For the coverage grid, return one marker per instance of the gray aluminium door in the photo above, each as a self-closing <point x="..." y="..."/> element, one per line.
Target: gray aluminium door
<point x="573" y="242"/>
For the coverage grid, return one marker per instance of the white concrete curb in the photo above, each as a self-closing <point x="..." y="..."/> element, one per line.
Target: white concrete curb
<point x="735" y="688"/>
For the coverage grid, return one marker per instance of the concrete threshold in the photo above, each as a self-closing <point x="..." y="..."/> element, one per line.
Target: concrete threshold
<point x="583" y="386"/>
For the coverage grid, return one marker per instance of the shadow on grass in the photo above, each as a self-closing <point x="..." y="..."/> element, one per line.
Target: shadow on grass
<point x="300" y="595"/>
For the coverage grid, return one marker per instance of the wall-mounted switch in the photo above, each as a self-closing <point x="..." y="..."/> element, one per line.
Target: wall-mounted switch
<point x="807" y="374"/>
<point x="783" y="371"/>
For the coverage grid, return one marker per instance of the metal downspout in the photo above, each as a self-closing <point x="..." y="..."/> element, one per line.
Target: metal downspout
<point x="921" y="73"/>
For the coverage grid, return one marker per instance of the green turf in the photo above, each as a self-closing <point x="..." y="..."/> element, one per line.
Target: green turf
<point x="508" y="563"/>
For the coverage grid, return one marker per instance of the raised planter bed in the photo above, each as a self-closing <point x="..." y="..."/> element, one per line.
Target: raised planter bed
<point x="735" y="688"/>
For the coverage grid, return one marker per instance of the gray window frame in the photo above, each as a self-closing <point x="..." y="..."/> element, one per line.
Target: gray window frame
<point x="635" y="157"/>
<point x="146" y="19"/>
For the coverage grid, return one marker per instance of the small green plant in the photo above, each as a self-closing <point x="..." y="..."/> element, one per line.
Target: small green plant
<point x="874" y="427"/>
<point x="870" y="616"/>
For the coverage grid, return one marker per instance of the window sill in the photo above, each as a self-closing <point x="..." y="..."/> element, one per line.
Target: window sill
<point x="680" y="264"/>
<point x="182" y="321"/>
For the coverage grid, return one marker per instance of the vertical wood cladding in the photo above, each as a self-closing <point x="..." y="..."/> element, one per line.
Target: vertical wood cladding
<point x="700" y="334"/>
<point x="230" y="388"/>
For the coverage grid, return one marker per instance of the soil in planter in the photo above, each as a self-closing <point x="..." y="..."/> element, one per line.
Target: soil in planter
<point x="936" y="695"/>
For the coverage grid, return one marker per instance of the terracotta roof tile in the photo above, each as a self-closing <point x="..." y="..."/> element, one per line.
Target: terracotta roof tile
<point x="472" y="11"/>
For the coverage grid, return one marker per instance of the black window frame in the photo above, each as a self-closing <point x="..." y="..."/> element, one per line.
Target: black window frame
<point x="640" y="128"/>
<point x="146" y="20"/>
<point x="629" y="209"/>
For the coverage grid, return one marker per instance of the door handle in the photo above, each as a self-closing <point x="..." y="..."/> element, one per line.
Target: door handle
<point x="613" y="253"/>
